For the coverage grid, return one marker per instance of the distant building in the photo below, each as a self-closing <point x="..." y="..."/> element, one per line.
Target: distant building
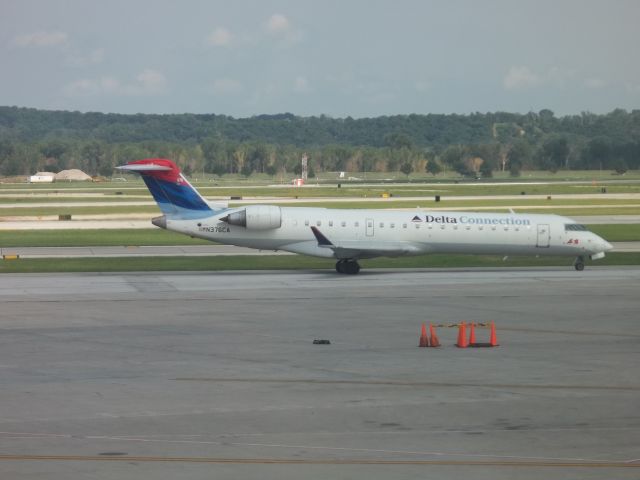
<point x="42" y="177"/>
<point x="63" y="176"/>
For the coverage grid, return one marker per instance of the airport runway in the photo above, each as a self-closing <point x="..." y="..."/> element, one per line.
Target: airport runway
<point x="214" y="375"/>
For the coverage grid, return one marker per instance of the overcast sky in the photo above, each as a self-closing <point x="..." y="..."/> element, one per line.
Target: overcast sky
<point x="356" y="58"/>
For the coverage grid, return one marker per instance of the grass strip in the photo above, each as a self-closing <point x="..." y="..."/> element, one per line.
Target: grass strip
<point x="95" y="238"/>
<point x="274" y="262"/>
<point x="88" y="210"/>
<point x="625" y="232"/>
<point x="110" y="199"/>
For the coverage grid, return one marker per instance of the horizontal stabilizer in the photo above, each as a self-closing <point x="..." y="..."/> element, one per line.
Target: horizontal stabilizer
<point x="145" y="167"/>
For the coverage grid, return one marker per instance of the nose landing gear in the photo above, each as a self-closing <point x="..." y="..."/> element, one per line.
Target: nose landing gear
<point x="350" y="267"/>
<point x="579" y="263"/>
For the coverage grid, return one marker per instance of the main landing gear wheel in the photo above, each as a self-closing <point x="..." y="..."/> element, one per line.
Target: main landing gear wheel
<point x="579" y="264"/>
<point x="350" y="267"/>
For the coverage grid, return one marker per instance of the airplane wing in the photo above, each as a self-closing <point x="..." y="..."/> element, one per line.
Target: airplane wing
<point x="365" y="248"/>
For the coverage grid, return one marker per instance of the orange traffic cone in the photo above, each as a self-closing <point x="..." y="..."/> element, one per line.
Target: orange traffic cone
<point x="434" y="342"/>
<point x="472" y="333"/>
<point x="462" y="337"/>
<point x="493" y="341"/>
<point x="424" y="340"/>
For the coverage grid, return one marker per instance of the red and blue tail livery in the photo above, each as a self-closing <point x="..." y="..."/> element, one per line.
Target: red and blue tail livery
<point x="170" y="189"/>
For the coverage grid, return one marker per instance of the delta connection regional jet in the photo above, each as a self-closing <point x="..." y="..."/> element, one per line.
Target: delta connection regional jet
<point x="351" y="235"/>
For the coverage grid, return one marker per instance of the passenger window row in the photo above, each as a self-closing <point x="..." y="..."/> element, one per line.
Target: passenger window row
<point x="429" y="226"/>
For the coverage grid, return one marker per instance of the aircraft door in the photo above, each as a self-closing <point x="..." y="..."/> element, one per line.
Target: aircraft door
<point x="369" y="227"/>
<point x="544" y="234"/>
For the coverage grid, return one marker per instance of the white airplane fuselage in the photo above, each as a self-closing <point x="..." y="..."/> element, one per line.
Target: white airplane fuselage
<point x="414" y="232"/>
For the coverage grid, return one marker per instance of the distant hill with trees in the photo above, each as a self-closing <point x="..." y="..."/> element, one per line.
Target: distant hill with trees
<point x="478" y="143"/>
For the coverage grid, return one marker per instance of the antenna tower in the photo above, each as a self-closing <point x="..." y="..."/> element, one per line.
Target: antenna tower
<point x="304" y="167"/>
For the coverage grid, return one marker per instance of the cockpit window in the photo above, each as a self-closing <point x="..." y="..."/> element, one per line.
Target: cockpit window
<point x="575" y="227"/>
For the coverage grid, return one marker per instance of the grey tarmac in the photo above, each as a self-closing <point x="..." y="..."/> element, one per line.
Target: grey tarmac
<point x="215" y="375"/>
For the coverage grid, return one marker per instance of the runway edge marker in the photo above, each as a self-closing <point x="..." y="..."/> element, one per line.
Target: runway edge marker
<point x="424" y="340"/>
<point x="433" y="341"/>
<point x="462" y="336"/>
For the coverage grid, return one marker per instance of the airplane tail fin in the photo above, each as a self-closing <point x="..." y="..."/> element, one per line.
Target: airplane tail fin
<point x="170" y="189"/>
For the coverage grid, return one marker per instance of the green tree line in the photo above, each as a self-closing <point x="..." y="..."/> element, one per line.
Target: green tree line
<point x="475" y="144"/>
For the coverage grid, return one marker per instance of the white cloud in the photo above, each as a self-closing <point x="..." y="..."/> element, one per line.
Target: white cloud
<point x="522" y="77"/>
<point x="422" y="86"/>
<point x="283" y="31"/>
<point x="220" y="37"/>
<point x="147" y="82"/>
<point x="557" y="76"/>
<point x="82" y="87"/>
<point x="109" y="84"/>
<point x="633" y="88"/>
<point x="88" y="87"/>
<point x="41" y="39"/>
<point x="278" y="24"/>
<point x="301" y="85"/>
<point x="380" y="98"/>
<point x="95" y="57"/>
<point x="594" y="83"/>
<point x="225" y="86"/>
<point x="265" y="95"/>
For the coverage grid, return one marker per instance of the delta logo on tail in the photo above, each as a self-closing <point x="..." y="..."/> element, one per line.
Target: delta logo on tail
<point x="173" y="193"/>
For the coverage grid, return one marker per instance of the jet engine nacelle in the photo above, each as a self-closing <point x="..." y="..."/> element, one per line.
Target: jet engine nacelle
<point x="256" y="217"/>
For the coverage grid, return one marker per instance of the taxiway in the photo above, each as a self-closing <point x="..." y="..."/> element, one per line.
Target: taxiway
<point x="214" y="375"/>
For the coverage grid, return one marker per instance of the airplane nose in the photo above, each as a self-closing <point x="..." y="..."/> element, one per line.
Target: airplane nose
<point x="607" y="246"/>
